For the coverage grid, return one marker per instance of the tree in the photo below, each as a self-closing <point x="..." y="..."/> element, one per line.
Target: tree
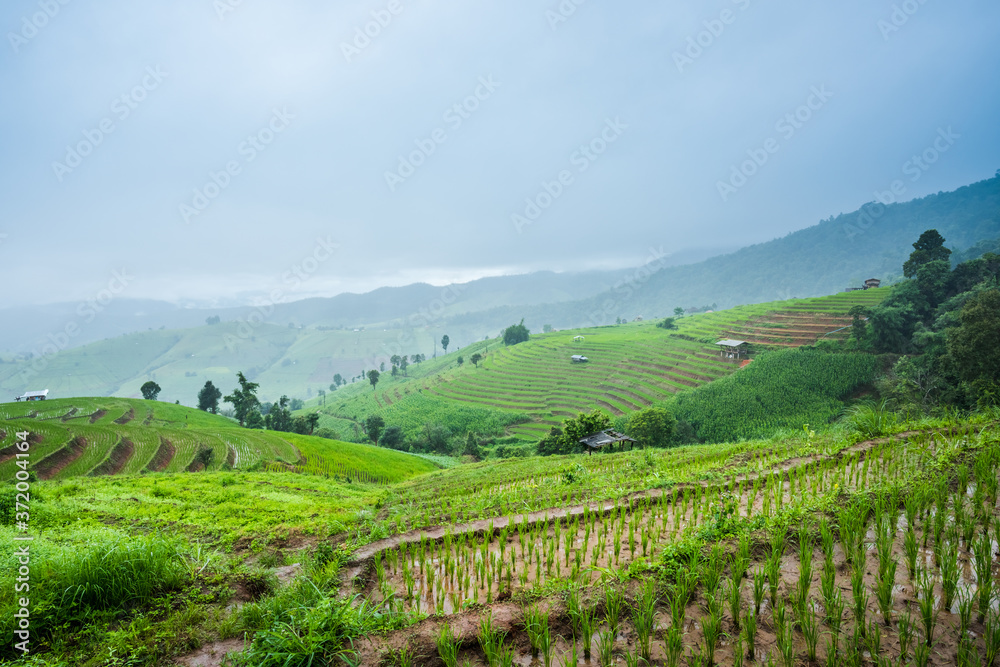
<point x="394" y="360"/>
<point x="859" y="315"/>
<point x="973" y="347"/>
<point x="444" y="343"/>
<point x="322" y="396"/>
<point x="472" y="447"/>
<point x="381" y="367"/>
<point x="546" y="328"/>
<point x="373" y="377"/>
<point x="279" y="417"/>
<point x="566" y="440"/>
<point x="393" y="438"/>
<point x="515" y="333"/>
<point x="214" y="319"/>
<point x="667" y="323"/>
<point x="208" y="398"/>
<point x="460" y="360"/>
<point x="337" y="381"/>
<point x="928" y="248"/>
<point x="403" y="363"/>
<point x="475" y="359"/>
<point x="373" y="426"/>
<point x="678" y="312"/>
<point x="652" y="427"/>
<point x="244" y="400"/>
<point x="150" y="390"/>
<point x="255" y="419"/>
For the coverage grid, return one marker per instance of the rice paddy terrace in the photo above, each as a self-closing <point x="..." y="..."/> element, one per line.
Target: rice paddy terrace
<point x="108" y="436"/>
<point x="531" y="387"/>
<point x="788" y="552"/>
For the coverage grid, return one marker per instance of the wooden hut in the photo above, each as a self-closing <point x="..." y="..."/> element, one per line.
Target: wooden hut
<point x="608" y="437"/>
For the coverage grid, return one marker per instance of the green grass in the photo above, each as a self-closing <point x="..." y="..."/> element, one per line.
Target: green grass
<point x="779" y="389"/>
<point x="59" y="422"/>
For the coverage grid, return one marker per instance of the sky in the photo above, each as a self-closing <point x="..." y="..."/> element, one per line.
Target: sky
<point x="214" y="151"/>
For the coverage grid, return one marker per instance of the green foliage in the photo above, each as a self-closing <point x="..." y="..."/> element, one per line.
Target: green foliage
<point x="872" y="420"/>
<point x="975" y="347"/>
<point x="566" y="440"/>
<point x="150" y="390"/>
<point x="244" y="399"/>
<point x="515" y="333"/>
<point x="928" y="248"/>
<point x="208" y="398"/>
<point x="780" y="389"/>
<point x="667" y="323"/>
<point x="373" y="425"/>
<point x="652" y="427"/>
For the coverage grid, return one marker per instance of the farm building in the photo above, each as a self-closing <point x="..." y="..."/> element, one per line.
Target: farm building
<point x="601" y="439"/>
<point x="733" y="349"/>
<point x="871" y="283"/>
<point x="579" y="358"/>
<point x="33" y="395"/>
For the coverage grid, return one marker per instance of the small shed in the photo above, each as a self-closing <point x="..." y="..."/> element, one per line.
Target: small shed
<point x="872" y="283"/>
<point x="608" y="437"/>
<point x="579" y="359"/>
<point x="577" y="339"/>
<point x="732" y="349"/>
<point x="33" y="395"/>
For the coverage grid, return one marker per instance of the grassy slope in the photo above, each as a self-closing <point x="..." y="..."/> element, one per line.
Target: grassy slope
<point x="58" y="422"/>
<point x="536" y="385"/>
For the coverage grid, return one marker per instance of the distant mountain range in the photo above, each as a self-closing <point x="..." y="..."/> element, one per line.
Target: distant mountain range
<point x="825" y="258"/>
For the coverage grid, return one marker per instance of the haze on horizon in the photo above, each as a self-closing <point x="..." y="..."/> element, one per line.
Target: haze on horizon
<point x="210" y="147"/>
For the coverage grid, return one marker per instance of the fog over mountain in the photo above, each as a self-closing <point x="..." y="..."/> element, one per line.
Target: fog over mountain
<point x="213" y="153"/>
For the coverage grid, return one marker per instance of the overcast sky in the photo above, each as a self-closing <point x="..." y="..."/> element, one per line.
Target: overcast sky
<point x="120" y="120"/>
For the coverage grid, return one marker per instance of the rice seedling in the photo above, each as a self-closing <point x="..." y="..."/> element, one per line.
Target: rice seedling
<point x="883" y="590"/>
<point x="711" y="627"/>
<point x="614" y="602"/>
<point x="983" y="564"/>
<point x="928" y="611"/>
<point x="859" y="595"/>
<point x="949" y="573"/>
<point x="673" y="646"/>
<point x="810" y="630"/>
<point x="833" y="650"/>
<point x="750" y="631"/>
<point x="910" y="551"/>
<point x="991" y="636"/>
<point x="571" y="660"/>
<point x="534" y="622"/>
<point x="905" y="637"/>
<point x="921" y="655"/>
<point x="735" y="597"/>
<point x="606" y="648"/>
<point x="759" y="582"/>
<point x="965" y="602"/>
<point x="643" y="618"/>
<point x="447" y="646"/>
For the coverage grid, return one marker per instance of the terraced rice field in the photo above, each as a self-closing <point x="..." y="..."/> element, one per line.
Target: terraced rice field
<point x="536" y="385"/>
<point x="99" y="437"/>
